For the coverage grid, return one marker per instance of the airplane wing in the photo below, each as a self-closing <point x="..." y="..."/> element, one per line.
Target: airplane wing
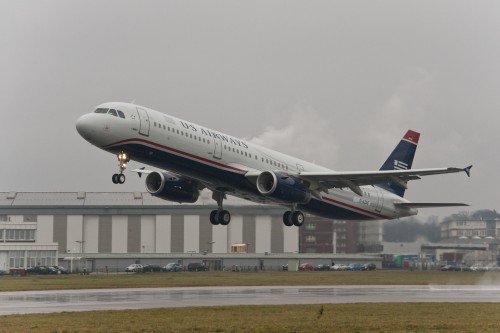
<point x="353" y="180"/>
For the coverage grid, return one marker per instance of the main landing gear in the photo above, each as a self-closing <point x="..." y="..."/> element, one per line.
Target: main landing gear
<point x="219" y="216"/>
<point x="293" y="217"/>
<point x="123" y="159"/>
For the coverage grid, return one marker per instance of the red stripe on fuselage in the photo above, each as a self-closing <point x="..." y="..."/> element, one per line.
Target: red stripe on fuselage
<point x="356" y="208"/>
<point x="176" y="151"/>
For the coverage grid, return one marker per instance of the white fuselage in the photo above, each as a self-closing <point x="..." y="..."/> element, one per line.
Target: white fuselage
<point x="221" y="162"/>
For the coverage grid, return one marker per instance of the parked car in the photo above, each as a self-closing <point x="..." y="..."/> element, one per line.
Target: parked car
<point x="151" y="268"/>
<point x="60" y="269"/>
<point x="41" y="270"/>
<point x="354" y="267"/>
<point x="134" y="268"/>
<point x="369" y="267"/>
<point x="478" y="268"/>
<point x="322" y="268"/>
<point x="306" y="267"/>
<point x="284" y="267"/>
<point x="339" y="267"/>
<point x="196" y="267"/>
<point x="450" y="268"/>
<point x="172" y="267"/>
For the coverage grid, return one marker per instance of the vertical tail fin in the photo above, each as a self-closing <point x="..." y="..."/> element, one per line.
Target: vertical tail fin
<point x="401" y="158"/>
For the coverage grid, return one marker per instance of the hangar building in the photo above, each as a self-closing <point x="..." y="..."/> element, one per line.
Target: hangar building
<point x="41" y="228"/>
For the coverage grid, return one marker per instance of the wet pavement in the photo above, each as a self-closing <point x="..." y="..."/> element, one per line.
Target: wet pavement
<point x="118" y="299"/>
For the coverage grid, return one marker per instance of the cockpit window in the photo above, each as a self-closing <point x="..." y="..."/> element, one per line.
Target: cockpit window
<point x="113" y="112"/>
<point x="121" y="114"/>
<point x="101" y="110"/>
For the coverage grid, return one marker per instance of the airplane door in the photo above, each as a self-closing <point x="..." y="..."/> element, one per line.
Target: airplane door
<point x="144" y="120"/>
<point x="380" y="200"/>
<point x="217" y="148"/>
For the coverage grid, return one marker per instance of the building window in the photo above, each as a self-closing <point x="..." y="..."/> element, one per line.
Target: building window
<point x="311" y="226"/>
<point x="16" y="259"/>
<point x="20" y="235"/>
<point x="30" y="218"/>
<point x="310" y="238"/>
<point x="44" y="258"/>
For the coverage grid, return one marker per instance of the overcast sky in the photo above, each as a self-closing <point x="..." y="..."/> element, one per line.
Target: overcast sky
<point x="334" y="82"/>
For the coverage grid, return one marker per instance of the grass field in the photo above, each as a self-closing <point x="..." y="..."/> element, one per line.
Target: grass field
<point x="392" y="317"/>
<point x="371" y="317"/>
<point x="193" y="279"/>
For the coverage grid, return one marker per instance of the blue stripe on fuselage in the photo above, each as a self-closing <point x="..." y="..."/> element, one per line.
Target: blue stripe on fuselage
<point x="221" y="178"/>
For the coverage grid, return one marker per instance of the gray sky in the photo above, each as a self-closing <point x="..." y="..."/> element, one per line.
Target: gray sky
<point x="335" y="82"/>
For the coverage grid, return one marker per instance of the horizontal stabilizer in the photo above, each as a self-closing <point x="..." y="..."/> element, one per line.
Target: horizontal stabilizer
<point x="427" y="204"/>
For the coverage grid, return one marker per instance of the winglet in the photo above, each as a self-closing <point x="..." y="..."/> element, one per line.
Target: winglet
<point x="467" y="170"/>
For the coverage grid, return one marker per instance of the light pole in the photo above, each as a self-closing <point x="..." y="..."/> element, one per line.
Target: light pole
<point x="81" y="242"/>
<point x="211" y="246"/>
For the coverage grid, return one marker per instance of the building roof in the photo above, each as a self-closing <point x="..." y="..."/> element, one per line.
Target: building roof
<point x="72" y="202"/>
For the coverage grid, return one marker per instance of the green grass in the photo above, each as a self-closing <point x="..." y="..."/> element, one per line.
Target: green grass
<point x="192" y="279"/>
<point x="392" y="317"/>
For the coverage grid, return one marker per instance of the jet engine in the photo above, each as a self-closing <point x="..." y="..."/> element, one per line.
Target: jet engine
<point x="169" y="187"/>
<point x="282" y="187"/>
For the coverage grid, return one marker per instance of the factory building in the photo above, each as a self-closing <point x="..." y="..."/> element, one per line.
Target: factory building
<point x="42" y="228"/>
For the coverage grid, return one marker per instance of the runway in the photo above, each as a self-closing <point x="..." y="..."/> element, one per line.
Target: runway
<point x="27" y="302"/>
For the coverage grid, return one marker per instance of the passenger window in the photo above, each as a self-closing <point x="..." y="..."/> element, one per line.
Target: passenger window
<point x="120" y="114"/>
<point x="113" y="112"/>
<point x="101" y="110"/>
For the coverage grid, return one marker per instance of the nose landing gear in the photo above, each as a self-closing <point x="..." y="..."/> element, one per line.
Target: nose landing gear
<point x="123" y="159"/>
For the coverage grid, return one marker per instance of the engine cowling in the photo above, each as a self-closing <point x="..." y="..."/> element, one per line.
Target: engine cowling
<point x="282" y="187"/>
<point x="169" y="187"/>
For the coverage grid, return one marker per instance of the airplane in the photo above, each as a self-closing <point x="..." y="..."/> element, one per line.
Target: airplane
<point x="193" y="157"/>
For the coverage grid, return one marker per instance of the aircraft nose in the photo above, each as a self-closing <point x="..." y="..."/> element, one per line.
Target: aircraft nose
<point x="84" y="126"/>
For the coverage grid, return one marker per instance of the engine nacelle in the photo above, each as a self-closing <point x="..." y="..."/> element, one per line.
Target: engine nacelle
<point x="169" y="187"/>
<point x="282" y="187"/>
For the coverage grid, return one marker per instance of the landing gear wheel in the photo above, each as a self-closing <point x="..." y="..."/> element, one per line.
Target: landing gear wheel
<point x="297" y="218"/>
<point x="223" y="217"/>
<point x="286" y="219"/>
<point x="213" y="219"/>
<point x="120" y="178"/>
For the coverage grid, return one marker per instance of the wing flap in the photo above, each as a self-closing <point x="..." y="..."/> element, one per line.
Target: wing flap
<point x="355" y="179"/>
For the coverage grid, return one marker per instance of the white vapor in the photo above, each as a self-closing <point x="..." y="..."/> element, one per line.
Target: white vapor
<point x="305" y="135"/>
